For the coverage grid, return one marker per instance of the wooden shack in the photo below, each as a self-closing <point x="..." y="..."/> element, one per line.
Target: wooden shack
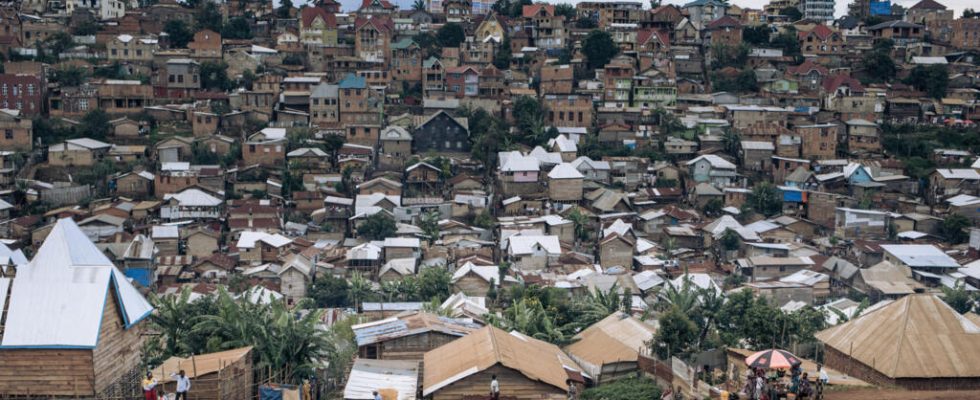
<point x="408" y="337"/>
<point x="917" y="342"/>
<point x="610" y="349"/>
<point x="72" y="323"/>
<point x="526" y="368"/>
<point x="225" y="375"/>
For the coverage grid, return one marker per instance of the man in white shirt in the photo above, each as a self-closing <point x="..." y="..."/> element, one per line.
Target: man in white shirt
<point x="183" y="385"/>
<point x="494" y="388"/>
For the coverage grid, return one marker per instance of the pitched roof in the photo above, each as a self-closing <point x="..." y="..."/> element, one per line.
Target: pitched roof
<point x="58" y="299"/>
<point x="724" y="22"/>
<point x="309" y="14"/>
<point x="616" y="338"/>
<point x="534" y="359"/>
<point x="565" y="171"/>
<point x="408" y="325"/>
<point x="830" y="84"/>
<point x="532" y="10"/>
<point x="917" y="336"/>
<point x="806" y="67"/>
<point x="821" y="31"/>
<point x="928" y="5"/>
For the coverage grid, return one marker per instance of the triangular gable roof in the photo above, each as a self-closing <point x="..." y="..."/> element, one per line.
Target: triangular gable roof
<point x="917" y="336"/>
<point x="58" y="299"/>
<point x="310" y="14"/>
<point x="480" y="350"/>
<point x="724" y="22"/>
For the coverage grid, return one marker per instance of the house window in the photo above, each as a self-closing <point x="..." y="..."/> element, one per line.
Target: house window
<point x="8" y="134"/>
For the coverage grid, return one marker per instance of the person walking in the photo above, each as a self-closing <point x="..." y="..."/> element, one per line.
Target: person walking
<point x="572" y="389"/>
<point x="149" y="387"/>
<point x="377" y="396"/>
<point x="494" y="388"/>
<point x="183" y="385"/>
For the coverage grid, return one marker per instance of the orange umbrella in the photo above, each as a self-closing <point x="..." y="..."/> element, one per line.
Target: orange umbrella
<point x="773" y="359"/>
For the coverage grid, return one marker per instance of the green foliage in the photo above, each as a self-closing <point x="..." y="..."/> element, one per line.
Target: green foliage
<point x="641" y="388"/>
<point x="529" y="115"/>
<point x="586" y="23"/>
<point x="238" y="28"/>
<point x="730" y="240"/>
<point x="287" y="344"/>
<point x="713" y="207"/>
<point x="69" y="76"/>
<point x="510" y="8"/>
<point x="484" y="220"/>
<point x="284" y="9"/>
<point x="727" y="56"/>
<point x="502" y="58"/>
<point x="878" y="64"/>
<point x="292" y="59"/>
<point x="599" y="48"/>
<point x="581" y="223"/>
<point x="763" y="325"/>
<point x="428" y="44"/>
<point x="745" y="81"/>
<point x="207" y="16"/>
<point x="528" y="316"/>
<point x="418" y="5"/>
<point x="450" y="35"/>
<point x="676" y="335"/>
<point x="430" y="226"/>
<point x="86" y="28"/>
<point x="954" y="228"/>
<point x="95" y="124"/>
<point x="566" y="10"/>
<point x="766" y="199"/>
<point x="757" y="35"/>
<point x="214" y="76"/>
<point x="489" y="135"/>
<point x="378" y="226"/>
<point x="180" y="33"/>
<point x="793" y="13"/>
<point x="932" y="79"/>
<point x="788" y="42"/>
<point x="969" y="13"/>
<point x="958" y="298"/>
<point x="433" y="283"/>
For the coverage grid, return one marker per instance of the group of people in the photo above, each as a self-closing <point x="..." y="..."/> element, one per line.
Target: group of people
<point x="762" y="386"/>
<point x="151" y="386"/>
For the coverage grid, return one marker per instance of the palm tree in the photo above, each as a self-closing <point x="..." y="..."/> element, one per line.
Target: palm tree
<point x="598" y="305"/>
<point x="359" y="289"/>
<point x="581" y="223"/>
<point x="731" y="141"/>
<point x="171" y="319"/>
<point x="418" y="5"/>
<point x="684" y="298"/>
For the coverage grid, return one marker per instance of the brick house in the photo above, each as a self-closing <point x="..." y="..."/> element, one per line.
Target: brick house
<point x="819" y="141"/>
<point x="317" y="26"/>
<point x="372" y="39"/>
<point x="206" y="46"/>
<point x="325" y="106"/>
<point x="359" y="113"/>
<point x="266" y="147"/>
<point x="569" y="110"/>
<point x="17" y="131"/>
<point x="406" y="61"/>
<point x="557" y="79"/>
<point x="821" y="41"/>
<point x="128" y="48"/>
<point x="726" y="31"/>
<point x="22" y="92"/>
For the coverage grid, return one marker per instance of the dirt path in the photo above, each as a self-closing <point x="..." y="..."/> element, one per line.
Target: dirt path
<point x="898" y="394"/>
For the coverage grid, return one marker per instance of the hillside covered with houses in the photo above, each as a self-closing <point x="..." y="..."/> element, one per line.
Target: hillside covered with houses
<point x="485" y="199"/>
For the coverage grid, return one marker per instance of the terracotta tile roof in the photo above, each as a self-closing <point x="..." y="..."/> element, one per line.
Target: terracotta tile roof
<point x="310" y="13"/>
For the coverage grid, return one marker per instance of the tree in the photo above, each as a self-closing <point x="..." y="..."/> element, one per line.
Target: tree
<point x="713" y="207"/>
<point x="450" y="35"/>
<point x="958" y="298"/>
<point x="598" y="305"/>
<point x="69" y="76"/>
<point x="214" y="76"/>
<point x="676" y="336"/>
<point x="430" y="226"/>
<point x="95" y="124"/>
<point x="581" y="223"/>
<point x="954" y="228"/>
<point x="731" y="141"/>
<point x="932" y="79"/>
<point x="180" y="34"/>
<point x="599" y="48"/>
<point x="237" y="28"/>
<point x="528" y="316"/>
<point x="788" y="42"/>
<point x="484" y="220"/>
<point x="358" y="290"/>
<point x="378" y="226"/>
<point x="878" y="64"/>
<point x="86" y="28"/>
<point x="529" y="114"/>
<point x="418" y="5"/>
<point x="766" y="199"/>
<point x="502" y="59"/>
<point x="329" y="291"/>
<point x="208" y="16"/>
<point x="433" y="283"/>
<point x="730" y="240"/>
<point x="757" y="35"/>
<point x="792" y="13"/>
<point x="284" y="9"/>
<point x="969" y="13"/>
<point x="566" y="10"/>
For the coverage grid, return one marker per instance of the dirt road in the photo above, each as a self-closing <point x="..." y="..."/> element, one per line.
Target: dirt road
<point x="898" y="394"/>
